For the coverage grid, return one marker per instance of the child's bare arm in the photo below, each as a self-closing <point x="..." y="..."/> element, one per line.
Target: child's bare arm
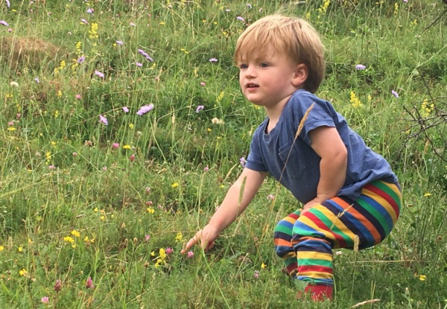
<point x="328" y="144"/>
<point x="236" y="200"/>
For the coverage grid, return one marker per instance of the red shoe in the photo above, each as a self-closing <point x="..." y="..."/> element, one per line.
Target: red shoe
<point x="317" y="292"/>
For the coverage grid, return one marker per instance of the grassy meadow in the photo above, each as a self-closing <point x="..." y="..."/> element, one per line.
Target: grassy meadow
<point x="123" y="125"/>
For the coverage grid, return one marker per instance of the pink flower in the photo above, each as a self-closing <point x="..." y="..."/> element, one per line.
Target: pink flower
<point x="74" y="154"/>
<point x="169" y="250"/>
<point x="89" y="283"/>
<point x="57" y="286"/>
<point x="190" y="254"/>
<point x="145" y="108"/>
<point x="242" y="161"/>
<point x="45" y="300"/>
<point x="4" y="23"/>
<point x="213" y="60"/>
<point x="120" y="43"/>
<point x="202" y="84"/>
<point x="240" y="18"/>
<point x="147" y="237"/>
<point x="100" y="74"/>
<point x="256" y="274"/>
<point x="84" y="21"/>
<point x="271" y="197"/>
<point x="78" y="97"/>
<point x="103" y="119"/>
<point x="138" y="64"/>
<point x="115" y="145"/>
<point x="360" y="67"/>
<point x="52" y="167"/>
<point x="199" y="108"/>
<point x="125" y="109"/>
<point x="206" y="168"/>
<point x="147" y="190"/>
<point x="394" y="93"/>
<point x="132" y="158"/>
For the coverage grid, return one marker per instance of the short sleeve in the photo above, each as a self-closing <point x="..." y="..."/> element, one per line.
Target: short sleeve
<point x="254" y="159"/>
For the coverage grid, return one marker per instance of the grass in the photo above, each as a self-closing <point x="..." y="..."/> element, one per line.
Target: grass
<point x="73" y="206"/>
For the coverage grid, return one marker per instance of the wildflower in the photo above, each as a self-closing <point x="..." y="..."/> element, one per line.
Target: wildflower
<point x="132" y="158"/>
<point x="78" y="97"/>
<point x="104" y="168"/>
<point x="7" y="3"/>
<point x="11" y="129"/>
<point x="179" y="237"/>
<point x="150" y="210"/>
<point x="120" y="43"/>
<point x="162" y="253"/>
<point x="4" y="23"/>
<point x="206" y="168"/>
<point x="20" y="249"/>
<point x="360" y="67"/>
<point x="249" y="6"/>
<point x="2" y="248"/>
<point x="103" y="119"/>
<point x="355" y="101"/>
<point x="100" y="74"/>
<point x="133" y="24"/>
<point x="256" y="274"/>
<point x="199" y="108"/>
<point x="125" y="109"/>
<point x="427" y="194"/>
<point x="217" y="121"/>
<point x="69" y="239"/>
<point x="242" y="161"/>
<point x="75" y="233"/>
<point x="213" y="60"/>
<point x="153" y="253"/>
<point x="23" y="272"/>
<point x="37" y="80"/>
<point x="90" y="11"/>
<point x="263" y="265"/>
<point x="394" y="93"/>
<point x="240" y="18"/>
<point x="422" y="277"/>
<point x="202" y="84"/>
<point x="89" y="283"/>
<point x="147" y="190"/>
<point x="147" y="237"/>
<point x="80" y="59"/>
<point x="126" y="146"/>
<point x="174" y="185"/>
<point x="271" y="197"/>
<point x="115" y="145"/>
<point x="145" y="55"/>
<point x="14" y="84"/>
<point x="145" y="108"/>
<point x="84" y="21"/>
<point x="190" y="254"/>
<point x="138" y="64"/>
<point x="45" y="300"/>
<point x="57" y="286"/>
<point x="169" y="250"/>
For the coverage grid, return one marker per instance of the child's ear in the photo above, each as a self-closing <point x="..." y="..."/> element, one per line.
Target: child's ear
<point x="300" y="76"/>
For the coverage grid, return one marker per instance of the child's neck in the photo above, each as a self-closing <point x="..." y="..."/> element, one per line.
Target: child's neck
<point x="274" y="113"/>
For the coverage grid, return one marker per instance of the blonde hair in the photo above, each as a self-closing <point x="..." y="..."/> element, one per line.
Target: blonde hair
<point x="289" y="36"/>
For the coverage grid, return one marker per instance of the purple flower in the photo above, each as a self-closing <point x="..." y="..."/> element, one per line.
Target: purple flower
<point x="100" y="74"/>
<point x="120" y="43"/>
<point x="81" y="59"/>
<point x="103" y="120"/>
<point x="125" y="109"/>
<point x="249" y="6"/>
<point x="4" y="23"/>
<point x="190" y="254"/>
<point x="138" y="64"/>
<point x="84" y="21"/>
<point x="37" y="80"/>
<point x="7" y="3"/>
<point x="240" y="18"/>
<point x="406" y="1"/>
<point x="360" y="67"/>
<point x="394" y="93"/>
<point x="199" y="108"/>
<point x="145" y="108"/>
<point x="213" y="60"/>
<point x="90" y="11"/>
<point x="242" y="161"/>
<point x="145" y="54"/>
<point x="89" y="283"/>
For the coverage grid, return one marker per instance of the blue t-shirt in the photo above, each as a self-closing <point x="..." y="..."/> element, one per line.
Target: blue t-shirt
<point x="270" y="152"/>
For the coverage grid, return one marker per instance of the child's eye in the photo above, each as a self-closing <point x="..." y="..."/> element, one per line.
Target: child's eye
<point x="243" y="66"/>
<point x="263" y="65"/>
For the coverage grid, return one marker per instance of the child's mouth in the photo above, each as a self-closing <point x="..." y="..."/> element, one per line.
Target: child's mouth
<point x="252" y="86"/>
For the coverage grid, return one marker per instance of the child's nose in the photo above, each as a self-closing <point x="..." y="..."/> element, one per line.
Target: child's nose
<point x="250" y="71"/>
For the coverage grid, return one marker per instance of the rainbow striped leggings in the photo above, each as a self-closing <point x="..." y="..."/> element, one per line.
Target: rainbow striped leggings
<point x="306" y="242"/>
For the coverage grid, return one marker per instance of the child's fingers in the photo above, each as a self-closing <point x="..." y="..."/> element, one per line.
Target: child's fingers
<point x="190" y="243"/>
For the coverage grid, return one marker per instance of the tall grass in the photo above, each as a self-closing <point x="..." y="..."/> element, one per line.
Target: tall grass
<point x="80" y="199"/>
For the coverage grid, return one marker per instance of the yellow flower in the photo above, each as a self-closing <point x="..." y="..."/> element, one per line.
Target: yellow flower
<point x="174" y="185"/>
<point x="131" y="125"/>
<point x="126" y="146"/>
<point x="263" y="265"/>
<point x="23" y="272"/>
<point x="150" y="210"/>
<point x="68" y="239"/>
<point x="75" y="233"/>
<point x="179" y="237"/>
<point x="2" y="248"/>
<point x="422" y="277"/>
<point x="11" y="129"/>
<point x="427" y="194"/>
<point x="20" y="249"/>
<point x="153" y="253"/>
<point x="162" y="253"/>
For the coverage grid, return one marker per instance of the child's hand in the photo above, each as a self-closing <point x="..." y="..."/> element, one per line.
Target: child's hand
<point x="204" y="237"/>
<point x="309" y="205"/>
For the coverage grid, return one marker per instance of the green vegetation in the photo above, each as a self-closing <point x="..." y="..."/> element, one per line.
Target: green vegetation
<point x="80" y="199"/>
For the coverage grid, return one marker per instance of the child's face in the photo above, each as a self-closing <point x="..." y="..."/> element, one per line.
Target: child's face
<point x="266" y="80"/>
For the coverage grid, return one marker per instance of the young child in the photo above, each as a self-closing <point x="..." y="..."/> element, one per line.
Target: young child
<point x="351" y="196"/>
